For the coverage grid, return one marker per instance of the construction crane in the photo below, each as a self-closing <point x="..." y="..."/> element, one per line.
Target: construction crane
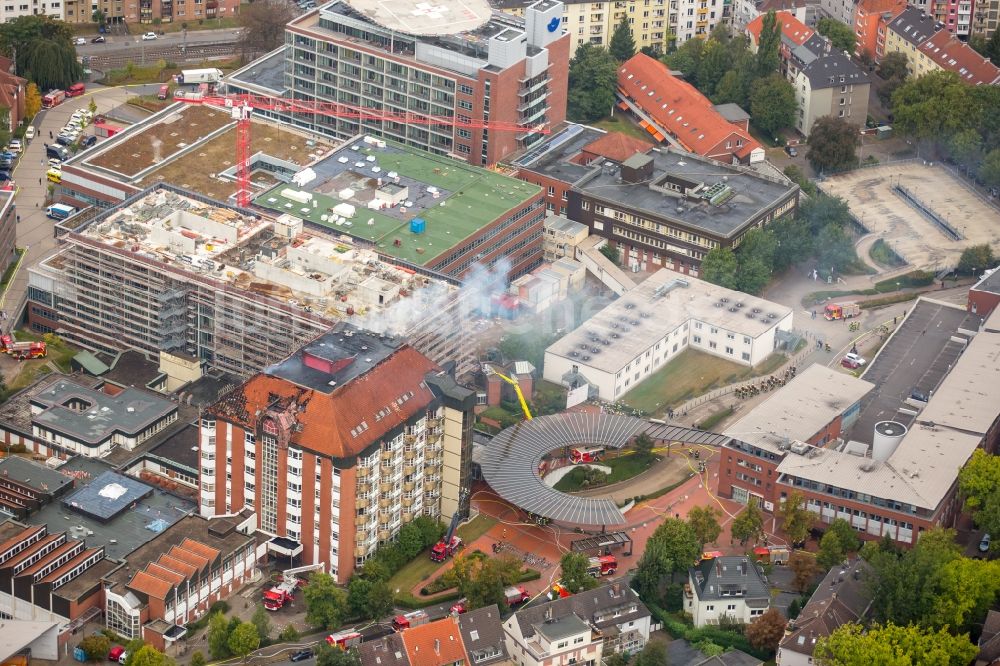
<point x="242" y="106"/>
<point x="490" y="370"/>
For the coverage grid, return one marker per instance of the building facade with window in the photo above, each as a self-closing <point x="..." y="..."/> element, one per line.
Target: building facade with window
<point x="509" y="71"/>
<point x="637" y="334"/>
<point x="930" y="47"/>
<point x="338" y="446"/>
<point x="734" y="588"/>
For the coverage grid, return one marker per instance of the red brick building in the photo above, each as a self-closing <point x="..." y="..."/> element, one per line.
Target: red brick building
<point x="984" y="296"/>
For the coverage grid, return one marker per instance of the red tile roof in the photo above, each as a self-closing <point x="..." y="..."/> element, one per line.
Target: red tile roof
<point x="792" y="28"/>
<point x="153" y="587"/>
<point x="188" y="556"/>
<point x="617" y="146"/>
<point x="163" y="573"/>
<point x="172" y="563"/>
<point x="678" y="106"/>
<point x="23" y="535"/>
<point x="435" y="644"/>
<point x="198" y="547"/>
<point x="956" y="56"/>
<point x="68" y="566"/>
<point x="327" y="419"/>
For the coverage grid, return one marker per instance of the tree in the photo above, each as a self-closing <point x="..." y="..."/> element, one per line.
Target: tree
<point x="218" y="636"/>
<point x="96" y="647"/>
<point x="32" y="101"/>
<point x="653" y="654"/>
<point x="992" y="50"/>
<point x="679" y="542"/>
<point x="622" y="45"/>
<point x="326" y="604"/>
<point x="97" y="16"/>
<point x="132" y="650"/>
<point x="847" y="535"/>
<point x="835" y="248"/>
<point x="979" y="480"/>
<point x="264" y="23"/>
<point x="327" y="655"/>
<point x="934" y="106"/>
<point x="288" y="635"/>
<point x="767" y="45"/>
<point x="713" y="66"/>
<point x="989" y="171"/>
<point x="748" y="524"/>
<point x="262" y="622"/>
<point x="147" y="655"/>
<point x="593" y="75"/>
<point x="794" y="242"/>
<point x="574" y="572"/>
<point x="720" y="267"/>
<point x="840" y="34"/>
<point x="966" y="588"/>
<point x="611" y="252"/>
<point x="965" y="146"/>
<point x="796" y="518"/>
<point x="804" y="570"/>
<point x="832" y="144"/>
<point x="704" y="520"/>
<point x="831" y="551"/>
<point x="616" y="659"/>
<point x="853" y="645"/>
<point x="730" y="89"/>
<point x="894" y="66"/>
<point x="244" y="640"/>
<point x="643" y="445"/>
<point x="823" y="210"/>
<point x="767" y="630"/>
<point x="198" y="659"/>
<point x="493" y="577"/>
<point x="754" y="275"/>
<point x="410" y="541"/>
<point x="44" y="48"/>
<point x="687" y="58"/>
<point x="772" y="103"/>
<point x="431" y="530"/>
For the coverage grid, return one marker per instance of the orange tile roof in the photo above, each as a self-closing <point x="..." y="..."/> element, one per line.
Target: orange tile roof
<point x="792" y="28"/>
<point x="188" y="556"/>
<point x="153" y="587"/>
<point x="172" y="563"/>
<point x="956" y="56"/>
<point x="84" y="554"/>
<point x="49" y="557"/>
<point x="435" y="643"/>
<point x="163" y="573"/>
<point x="678" y="106"/>
<point x="20" y="536"/>
<point x="32" y="549"/>
<point x="198" y="547"/>
<point x="327" y="419"/>
<point x="881" y="6"/>
<point x="617" y="146"/>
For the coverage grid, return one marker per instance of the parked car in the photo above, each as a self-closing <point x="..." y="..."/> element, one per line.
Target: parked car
<point x="29" y="133"/>
<point x="4" y="176"/>
<point x="7" y="155"/>
<point x="984" y="545"/>
<point x="88" y="141"/>
<point x="98" y="40"/>
<point x="856" y="358"/>
<point x="14" y="146"/>
<point x="79" y="41"/>
<point x="55" y="163"/>
<point x="792" y="152"/>
<point x="849" y="364"/>
<point x="302" y="655"/>
<point x="65" y="139"/>
<point x="148" y="36"/>
<point x="56" y="152"/>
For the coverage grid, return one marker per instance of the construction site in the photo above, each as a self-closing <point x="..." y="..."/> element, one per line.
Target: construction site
<point x="168" y="272"/>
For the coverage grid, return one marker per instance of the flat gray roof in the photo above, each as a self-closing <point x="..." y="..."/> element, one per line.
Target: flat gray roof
<point x="753" y="193"/>
<point x="93" y="415"/>
<point x="267" y="72"/>
<point x="33" y="475"/>
<point x="510" y="463"/>
<point x="799" y="409"/>
<point x="663" y="302"/>
<point x="551" y="157"/>
<point x="990" y="282"/>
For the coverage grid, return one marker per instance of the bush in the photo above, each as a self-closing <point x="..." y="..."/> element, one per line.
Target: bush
<point x="202" y="622"/>
<point x="882" y="254"/>
<point x="716" y="635"/>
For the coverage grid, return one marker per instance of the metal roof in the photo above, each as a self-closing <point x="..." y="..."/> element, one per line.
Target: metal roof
<point x="687" y="435"/>
<point x="510" y="464"/>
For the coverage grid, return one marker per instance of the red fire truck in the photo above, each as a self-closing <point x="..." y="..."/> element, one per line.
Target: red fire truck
<point x="53" y="98"/>
<point x="516" y="595"/>
<point x="835" y="311"/>
<point x="22" y="350"/>
<point x="412" y="619"/>
<point x="344" y="640"/>
<point x="449" y="545"/>
<point x="602" y="566"/>
<point x="586" y="454"/>
<point x="284" y="592"/>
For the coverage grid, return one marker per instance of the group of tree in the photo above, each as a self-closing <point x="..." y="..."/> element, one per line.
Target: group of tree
<point x="840" y="34"/>
<point x="975" y="258"/>
<point x="231" y="638"/>
<point x="960" y="121"/>
<point x="838" y="541"/>
<point x="593" y="74"/>
<point x="573" y="568"/>
<point x="748" y="525"/>
<point x="96" y="647"/>
<point x="328" y="655"/>
<point x="413" y="538"/>
<point x="264" y="24"/>
<point x="483" y="580"/>
<point x="854" y="645"/>
<point x="44" y="50"/>
<point x="979" y="481"/>
<point x="671" y="549"/>
<point x="893" y="69"/>
<point x="833" y="144"/>
<point x="987" y="47"/>
<point x="725" y="70"/>
<point x="654" y="653"/>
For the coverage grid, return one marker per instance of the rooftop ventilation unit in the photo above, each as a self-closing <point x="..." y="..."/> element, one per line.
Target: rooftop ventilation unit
<point x="734" y="309"/>
<point x="585" y="357"/>
<point x="756" y="310"/>
<point x="771" y="315"/>
<point x="739" y="304"/>
<point x="723" y="300"/>
<point x="630" y="306"/>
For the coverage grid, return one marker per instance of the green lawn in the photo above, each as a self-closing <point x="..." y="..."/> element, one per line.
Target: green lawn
<point x="690" y="374"/>
<point x="622" y="469"/>
<point x="422" y="567"/>
<point x="621" y="123"/>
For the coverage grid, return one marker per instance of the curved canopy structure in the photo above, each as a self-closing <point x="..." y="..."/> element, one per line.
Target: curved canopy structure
<point x="510" y="464"/>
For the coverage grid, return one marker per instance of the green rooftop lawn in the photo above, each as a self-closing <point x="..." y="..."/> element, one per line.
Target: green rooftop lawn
<point x="478" y="196"/>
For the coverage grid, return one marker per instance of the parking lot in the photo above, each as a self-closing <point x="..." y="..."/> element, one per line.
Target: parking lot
<point x="910" y="233"/>
<point x="916" y="357"/>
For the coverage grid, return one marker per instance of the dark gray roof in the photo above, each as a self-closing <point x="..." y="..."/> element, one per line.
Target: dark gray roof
<point x="180" y="449"/>
<point x="107" y="496"/>
<point x="551" y="156"/>
<point x="732" y="112"/>
<point x="990" y="283"/>
<point x="843" y="596"/>
<point x="482" y="633"/>
<point x="826" y="72"/>
<point x="33" y="475"/>
<point x="264" y="74"/>
<point x="561" y="627"/>
<point x="914" y="25"/>
<point x="510" y="464"/>
<point x="682" y="653"/>
<point x="730" y="577"/>
<point x="131" y="368"/>
<point x="386" y="651"/>
<point x="594" y="606"/>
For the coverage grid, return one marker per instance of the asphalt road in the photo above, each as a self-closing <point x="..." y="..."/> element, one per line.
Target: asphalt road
<point x="129" y="43"/>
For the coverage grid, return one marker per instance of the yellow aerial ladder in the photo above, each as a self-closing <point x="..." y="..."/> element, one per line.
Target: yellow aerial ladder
<point x="490" y="370"/>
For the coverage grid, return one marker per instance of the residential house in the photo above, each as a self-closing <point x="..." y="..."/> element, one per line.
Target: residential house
<point x="682" y="653"/>
<point x="733" y="587"/>
<point x="483" y="637"/>
<point x="871" y="18"/>
<point x="826" y="81"/>
<point x="841" y="598"/>
<point x="989" y="641"/>
<point x="929" y="47"/>
<point x="12" y="92"/>
<point x="744" y="11"/>
<point x="673" y="110"/>
<point x="436" y="644"/>
<point x="475" y="638"/>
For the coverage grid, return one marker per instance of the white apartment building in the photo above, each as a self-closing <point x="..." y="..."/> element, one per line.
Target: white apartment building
<point x="732" y="587"/>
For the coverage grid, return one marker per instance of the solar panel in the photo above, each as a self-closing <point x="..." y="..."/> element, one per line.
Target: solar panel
<point x="107" y="495"/>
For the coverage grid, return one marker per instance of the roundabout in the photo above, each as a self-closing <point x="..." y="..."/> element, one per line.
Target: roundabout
<point x="511" y="462"/>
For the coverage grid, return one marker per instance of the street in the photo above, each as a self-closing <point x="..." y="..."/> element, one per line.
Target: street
<point x="132" y="43"/>
<point x="34" y="230"/>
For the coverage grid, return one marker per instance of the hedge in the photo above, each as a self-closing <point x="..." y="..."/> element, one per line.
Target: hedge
<point x="407" y="600"/>
<point x="721" y="637"/>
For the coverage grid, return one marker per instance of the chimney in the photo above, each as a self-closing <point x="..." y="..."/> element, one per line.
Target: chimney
<point x="437" y="646"/>
<point x="548" y="613"/>
<point x="616" y="589"/>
